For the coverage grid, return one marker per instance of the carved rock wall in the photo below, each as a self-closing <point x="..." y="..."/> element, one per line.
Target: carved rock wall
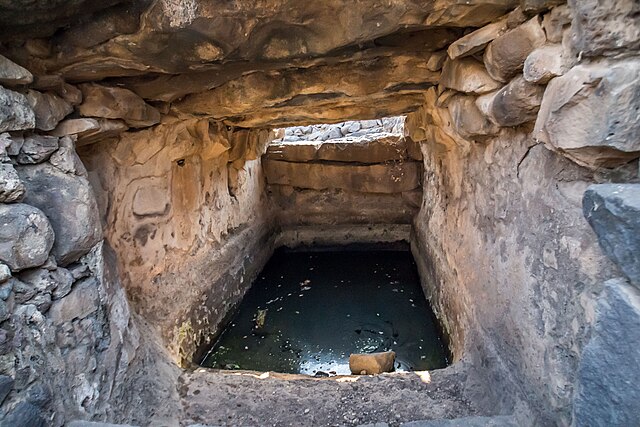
<point x="184" y="206"/>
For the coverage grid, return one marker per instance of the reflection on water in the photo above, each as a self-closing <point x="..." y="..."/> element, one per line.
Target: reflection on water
<point x="308" y="311"/>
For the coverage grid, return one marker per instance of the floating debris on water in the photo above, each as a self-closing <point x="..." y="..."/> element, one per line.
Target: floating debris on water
<point x="347" y="309"/>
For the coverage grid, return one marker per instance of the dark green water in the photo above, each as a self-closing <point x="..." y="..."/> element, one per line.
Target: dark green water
<point x="320" y="306"/>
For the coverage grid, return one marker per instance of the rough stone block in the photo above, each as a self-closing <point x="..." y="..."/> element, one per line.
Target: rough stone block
<point x="78" y="304"/>
<point x="378" y="178"/>
<point x="505" y="56"/>
<point x="608" y="391"/>
<point x="613" y="210"/>
<point x="48" y="108"/>
<point x="467" y="75"/>
<point x="515" y="104"/>
<point x="605" y="27"/>
<point x="15" y="111"/>
<point x="467" y="119"/>
<point x="555" y="22"/>
<point x="69" y="203"/>
<point x="26" y="237"/>
<point x="11" y="188"/>
<point x="36" y="149"/>
<point x="476" y="41"/>
<point x="117" y="103"/>
<point x="591" y="114"/>
<point x="12" y="74"/>
<point x="544" y="63"/>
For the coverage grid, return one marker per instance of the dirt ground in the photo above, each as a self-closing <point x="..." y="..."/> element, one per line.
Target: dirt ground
<point x="242" y="398"/>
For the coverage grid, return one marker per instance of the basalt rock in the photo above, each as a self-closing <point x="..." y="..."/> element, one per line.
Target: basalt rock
<point x="70" y="205"/>
<point x="515" y="104"/>
<point x="36" y="149"/>
<point x="49" y="109"/>
<point x="11" y="74"/>
<point x="26" y="237"/>
<point x="505" y="56"/>
<point x="15" y="111"/>
<point x="613" y="210"/>
<point x="589" y="114"/>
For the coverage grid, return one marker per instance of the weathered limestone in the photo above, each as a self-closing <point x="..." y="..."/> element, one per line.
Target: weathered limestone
<point x="606" y="394"/>
<point x="467" y="75"/>
<point x="11" y="74"/>
<point x="589" y="114"/>
<point x="117" y="103"/>
<point x="613" y="210"/>
<point x="505" y="56"/>
<point x="26" y="237"/>
<point x="49" y="109"/>
<point x="15" y="111"/>
<point x="70" y="205"/>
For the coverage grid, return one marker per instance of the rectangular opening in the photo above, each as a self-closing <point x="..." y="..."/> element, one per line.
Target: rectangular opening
<point x="311" y="307"/>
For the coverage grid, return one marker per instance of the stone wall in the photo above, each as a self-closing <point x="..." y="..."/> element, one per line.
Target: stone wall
<point x="530" y="111"/>
<point x="69" y="345"/>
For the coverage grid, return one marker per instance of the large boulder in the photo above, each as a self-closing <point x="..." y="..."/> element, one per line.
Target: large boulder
<point x="117" y="103"/>
<point x="608" y="392"/>
<point x="613" y="210"/>
<point x="26" y="237"/>
<point x="15" y="111"/>
<point x="605" y="27"/>
<point x="69" y="203"/>
<point x="505" y="56"/>
<point x="591" y="114"/>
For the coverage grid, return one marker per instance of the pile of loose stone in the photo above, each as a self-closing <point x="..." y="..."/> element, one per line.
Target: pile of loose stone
<point x="354" y="129"/>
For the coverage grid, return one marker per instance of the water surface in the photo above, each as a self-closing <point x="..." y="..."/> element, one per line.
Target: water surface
<point x="308" y="310"/>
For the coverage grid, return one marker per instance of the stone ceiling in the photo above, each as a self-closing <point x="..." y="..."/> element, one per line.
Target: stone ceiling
<point x="249" y="63"/>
